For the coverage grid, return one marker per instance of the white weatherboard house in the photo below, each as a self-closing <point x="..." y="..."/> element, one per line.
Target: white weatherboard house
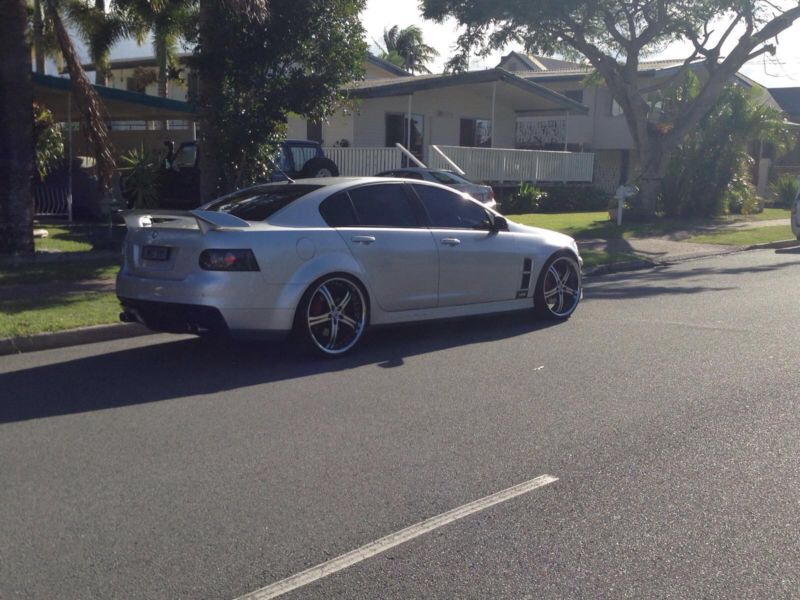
<point x="602" y="130"/>
<point x="466" y="120"/>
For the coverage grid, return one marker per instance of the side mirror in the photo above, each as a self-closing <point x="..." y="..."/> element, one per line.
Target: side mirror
<point x="499" y="223"/>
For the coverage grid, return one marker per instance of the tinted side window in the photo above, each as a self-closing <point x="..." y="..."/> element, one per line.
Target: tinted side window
<point x="383" y="205"/>
<point x="338" y="211"/>
<point x="448" y="210"/>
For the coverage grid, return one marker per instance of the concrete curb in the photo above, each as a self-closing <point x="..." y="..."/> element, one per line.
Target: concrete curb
<point x="71" y="337"/>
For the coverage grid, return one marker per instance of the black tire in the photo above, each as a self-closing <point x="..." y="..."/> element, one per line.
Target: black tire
<point x="319" y="167"/>
<point x="345" y="303"/>
<point x="559" y="288"/>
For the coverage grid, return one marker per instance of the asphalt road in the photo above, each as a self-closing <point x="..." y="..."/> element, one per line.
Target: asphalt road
<point x="667" y="407"/>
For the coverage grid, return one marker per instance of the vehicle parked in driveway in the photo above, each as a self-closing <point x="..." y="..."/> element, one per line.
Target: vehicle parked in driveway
<point x="327" y="258"/>
<point x="178" y="178"/>
<point x="481" y="193"/>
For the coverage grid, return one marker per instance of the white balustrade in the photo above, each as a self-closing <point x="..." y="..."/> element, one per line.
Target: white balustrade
<point x="504" y="165"/>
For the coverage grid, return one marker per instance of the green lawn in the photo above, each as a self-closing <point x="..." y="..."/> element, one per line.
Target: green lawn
<point x="60" y="271"/>
<point x="746" y="237"/>
<point x="78" y="238"/>
<point x="589" y="225"/>
<point x="37" y="315"/>
<point x="33" y="312"/>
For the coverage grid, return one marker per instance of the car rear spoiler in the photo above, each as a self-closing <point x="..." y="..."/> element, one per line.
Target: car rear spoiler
<point x="206" y="220"/>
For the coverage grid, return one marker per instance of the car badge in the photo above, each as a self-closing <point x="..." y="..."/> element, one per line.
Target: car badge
<point x="153" y="235"/>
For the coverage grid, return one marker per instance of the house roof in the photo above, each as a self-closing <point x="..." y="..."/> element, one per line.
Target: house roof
<point x="134" y="62"/>
<point x="534" y="62"/>
<point x="403" y="86"/>
<point x="788" y="99"/>
<point x="121" y="105"/>
<point x="386" y="65"/>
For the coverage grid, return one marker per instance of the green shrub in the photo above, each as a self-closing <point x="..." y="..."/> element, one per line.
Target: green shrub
<point x="741" y="197"/>
<point x="140" y="178"/>
<point x="556" y="199"/>
<point x="784" y="190"/>
<point x="708" y="175"/>
<point x="527" y="199"/>
<point x="574" y="198"/>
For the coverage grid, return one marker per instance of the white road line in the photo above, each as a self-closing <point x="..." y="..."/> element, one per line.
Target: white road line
<point x="394" y="539"/>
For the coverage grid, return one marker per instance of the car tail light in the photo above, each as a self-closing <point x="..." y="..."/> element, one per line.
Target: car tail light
<point x="228" y="260"/>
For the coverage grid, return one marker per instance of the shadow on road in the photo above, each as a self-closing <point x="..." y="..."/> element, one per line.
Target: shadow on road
<point x="683" y="279"/>
<point x="188" y="367"/>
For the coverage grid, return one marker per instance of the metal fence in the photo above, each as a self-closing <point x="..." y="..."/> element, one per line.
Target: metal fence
<point x="51" y="200"/>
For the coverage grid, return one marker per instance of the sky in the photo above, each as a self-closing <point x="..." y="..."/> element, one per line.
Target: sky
<point x="781" y="70"/>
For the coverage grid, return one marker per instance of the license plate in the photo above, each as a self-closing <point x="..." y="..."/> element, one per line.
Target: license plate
<point x="155" y="252"/>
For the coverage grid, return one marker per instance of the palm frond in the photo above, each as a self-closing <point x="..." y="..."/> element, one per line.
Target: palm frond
<point x="89" y="104"/>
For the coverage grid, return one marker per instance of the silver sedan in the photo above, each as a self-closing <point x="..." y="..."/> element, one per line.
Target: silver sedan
<point x="327" y="258"/>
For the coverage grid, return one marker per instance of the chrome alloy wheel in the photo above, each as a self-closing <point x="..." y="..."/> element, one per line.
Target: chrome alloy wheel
<point x="562" y="287"/>
<point x="336" y="315"/>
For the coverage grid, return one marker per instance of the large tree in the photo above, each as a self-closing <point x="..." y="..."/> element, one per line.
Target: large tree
<point x="614" y="35"/>
<point x="16" y="132"/>
<point x="255" y="70"/>
<point x="100" y="29"/>
<point x="167" y="21"/>
<point x="408" y="45"/>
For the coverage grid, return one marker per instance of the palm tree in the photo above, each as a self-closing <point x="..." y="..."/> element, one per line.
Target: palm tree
<point x="100" y="30"/>
<point x="409" y="45"/>
<point x="93" y="126"/>
<point x="16" y="132"/>
<point x="168" y="21"/>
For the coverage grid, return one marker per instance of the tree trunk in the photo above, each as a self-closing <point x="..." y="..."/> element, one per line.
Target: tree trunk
<point x="101" y="69"/>
<point x="211" y="75"/>
<point x="161" y="58"/>
<point x="38" y="33"/>
<point x="16" y="132"/>
<point x="653" y="161"/>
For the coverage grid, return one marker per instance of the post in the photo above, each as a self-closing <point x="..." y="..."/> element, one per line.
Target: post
<point x="194" y="131"/>
<point x="69" y="154"/>
<point x="408" y="124"/>
<point x="494" y="96"/>
<point x="566" y="130"/>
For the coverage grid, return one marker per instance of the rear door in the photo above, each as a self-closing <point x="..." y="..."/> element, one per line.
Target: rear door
<point x="475" y="265"/>
<point x="388" y="237"/>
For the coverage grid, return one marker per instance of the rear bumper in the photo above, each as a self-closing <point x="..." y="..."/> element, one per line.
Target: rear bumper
<point x="239" y="304"/>
<point x="171" y="317"/>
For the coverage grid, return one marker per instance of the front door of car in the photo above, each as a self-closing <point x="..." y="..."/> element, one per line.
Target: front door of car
<point x="396" y="252"/>
<point x="476" y="265"/>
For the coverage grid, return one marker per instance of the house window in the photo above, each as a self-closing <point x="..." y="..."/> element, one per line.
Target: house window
<point x="476" y="133"/>
<point x="576" y="95"/>
<point x="616" y="109"/>
<point x="397" y="132"/>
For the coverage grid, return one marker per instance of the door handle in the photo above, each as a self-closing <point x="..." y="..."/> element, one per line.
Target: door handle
<point x="363" y="239"/>
<point x="451" y="241"/>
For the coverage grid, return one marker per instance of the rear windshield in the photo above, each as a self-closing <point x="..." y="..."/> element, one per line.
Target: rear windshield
<point x="258" y="204"/>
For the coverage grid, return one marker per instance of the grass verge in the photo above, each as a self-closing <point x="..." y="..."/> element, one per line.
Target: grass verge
<point x="59" y="271"/>
<point x="595" y="225"/>
<point x="28" y="316"/>
<point x="746" y="237"/>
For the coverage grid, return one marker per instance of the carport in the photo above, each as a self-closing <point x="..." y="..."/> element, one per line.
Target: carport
<point x="55" y="93"/>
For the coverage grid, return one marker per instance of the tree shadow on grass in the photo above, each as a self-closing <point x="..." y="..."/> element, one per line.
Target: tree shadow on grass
<point x="188" y="367"/>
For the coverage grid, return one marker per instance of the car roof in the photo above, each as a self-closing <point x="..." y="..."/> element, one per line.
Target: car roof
<point x="419" y="170"/>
